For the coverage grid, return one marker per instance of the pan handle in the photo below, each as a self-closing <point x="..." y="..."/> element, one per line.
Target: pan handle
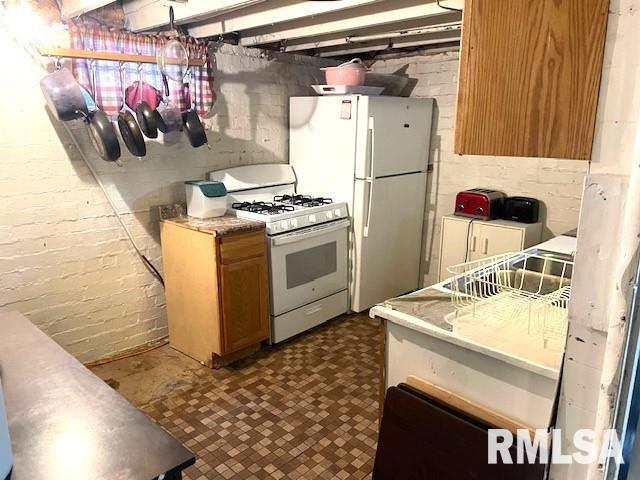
<point x="166" y="85"/>
<point x="171" y="18"/>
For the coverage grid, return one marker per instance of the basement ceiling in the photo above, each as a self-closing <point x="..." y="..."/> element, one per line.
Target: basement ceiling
<point x="326" y="28"/>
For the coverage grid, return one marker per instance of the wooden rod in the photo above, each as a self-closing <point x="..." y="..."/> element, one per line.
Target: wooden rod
<point x="98" y="55"/>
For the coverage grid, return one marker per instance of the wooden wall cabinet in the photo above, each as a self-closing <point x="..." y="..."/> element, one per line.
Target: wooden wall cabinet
<point x="529" y="77"/>
<point x="216" y="292"/>
<point x="463" y="240"/>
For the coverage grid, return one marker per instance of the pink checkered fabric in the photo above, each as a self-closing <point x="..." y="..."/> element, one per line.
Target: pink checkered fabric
<point x="204" y="90"/>
<point x="108" y="85"/>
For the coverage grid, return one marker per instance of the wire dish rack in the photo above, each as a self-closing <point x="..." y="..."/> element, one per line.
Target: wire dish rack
<point x="514" y="301"/>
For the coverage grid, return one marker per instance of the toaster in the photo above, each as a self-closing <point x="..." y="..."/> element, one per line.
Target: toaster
<point x="482" y="203"/>
<point x="521" y="209"/>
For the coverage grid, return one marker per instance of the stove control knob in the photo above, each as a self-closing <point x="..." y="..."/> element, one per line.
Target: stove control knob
<point x="337" y="212"/>
<point x="284" y="224"/>
<point x="294" y="222"/>
<point x="329" y="215"/>
<point x="312" y="218"/>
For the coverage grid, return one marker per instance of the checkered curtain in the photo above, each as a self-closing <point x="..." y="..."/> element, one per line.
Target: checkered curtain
<point x="107" y="74"/>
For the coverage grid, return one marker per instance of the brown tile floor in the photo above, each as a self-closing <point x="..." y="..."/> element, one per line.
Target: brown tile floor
<point x="305" y="409"/>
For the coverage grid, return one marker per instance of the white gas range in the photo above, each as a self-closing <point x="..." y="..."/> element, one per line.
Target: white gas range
<point x="307" y="244"/>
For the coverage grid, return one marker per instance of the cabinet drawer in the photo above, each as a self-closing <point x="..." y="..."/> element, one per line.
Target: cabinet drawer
<point x="241" y="246"/>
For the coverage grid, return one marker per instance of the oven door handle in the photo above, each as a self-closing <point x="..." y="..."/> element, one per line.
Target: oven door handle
<point x="314" y="232"/>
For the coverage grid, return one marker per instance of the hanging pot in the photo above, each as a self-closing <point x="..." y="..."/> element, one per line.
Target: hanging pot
<point x="63" y="95"/>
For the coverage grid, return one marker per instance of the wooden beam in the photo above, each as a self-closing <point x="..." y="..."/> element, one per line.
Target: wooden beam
<point x="381" y="13"/>
<point x="269" y="13"/>
<point x="143" y="15"/>
<point x="73" y="8"/>
<point x="98" y="55"/>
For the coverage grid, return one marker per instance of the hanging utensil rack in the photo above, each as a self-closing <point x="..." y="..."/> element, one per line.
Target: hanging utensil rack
<point x="60" y="52"/>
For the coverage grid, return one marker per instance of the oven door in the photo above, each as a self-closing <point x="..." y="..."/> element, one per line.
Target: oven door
<point x="308" y="265"/>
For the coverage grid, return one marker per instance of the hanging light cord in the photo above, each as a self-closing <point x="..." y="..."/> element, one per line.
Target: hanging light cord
<point x="154" y="271"/>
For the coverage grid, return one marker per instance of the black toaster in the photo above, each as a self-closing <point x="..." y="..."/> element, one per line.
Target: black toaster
<point x="521" y="209"/>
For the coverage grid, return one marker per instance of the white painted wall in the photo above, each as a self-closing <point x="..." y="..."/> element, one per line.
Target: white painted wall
<point x="607" y="242"/>
<point x="557" y="183"/>
<point x="64" y="260"/>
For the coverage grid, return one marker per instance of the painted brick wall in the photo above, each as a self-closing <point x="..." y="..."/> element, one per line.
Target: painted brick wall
<point x="557" y="183"/>
<point x="64" y="260"/>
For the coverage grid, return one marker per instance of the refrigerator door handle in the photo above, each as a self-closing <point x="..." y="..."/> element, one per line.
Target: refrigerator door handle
<point x="370" y="178"/>
<point x="372" y="138"/>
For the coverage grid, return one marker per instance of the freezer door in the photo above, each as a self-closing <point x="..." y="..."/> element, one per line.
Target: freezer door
<point x="387" y="238"/>
<point x="393" y="136"/>
<point x="322" y="145"/>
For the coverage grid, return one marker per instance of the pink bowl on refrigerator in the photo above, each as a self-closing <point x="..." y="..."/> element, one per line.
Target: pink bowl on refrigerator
<point x="351" y="73"/>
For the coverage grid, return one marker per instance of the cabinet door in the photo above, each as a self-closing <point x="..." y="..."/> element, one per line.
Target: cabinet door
<point x="245" y="312"/>
<point x="497" y="239"/>
<point x="456" y="243"/>
<point x="529" y="77"/>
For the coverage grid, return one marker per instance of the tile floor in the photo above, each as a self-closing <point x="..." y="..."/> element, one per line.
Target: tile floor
<point x="305" y="409"/>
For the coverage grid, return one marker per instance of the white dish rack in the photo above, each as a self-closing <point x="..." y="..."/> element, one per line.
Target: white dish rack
<point x="516" y="302"/>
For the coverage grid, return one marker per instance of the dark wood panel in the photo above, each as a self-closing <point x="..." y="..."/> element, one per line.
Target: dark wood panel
<point x="423" y="439"/>
<point x="529" y="77"/>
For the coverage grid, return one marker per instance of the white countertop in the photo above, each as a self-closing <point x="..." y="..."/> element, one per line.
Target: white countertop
<point x="426" y="309"/>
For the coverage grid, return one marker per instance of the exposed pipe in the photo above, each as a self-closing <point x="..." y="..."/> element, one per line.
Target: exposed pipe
<point x="445" y="27"/>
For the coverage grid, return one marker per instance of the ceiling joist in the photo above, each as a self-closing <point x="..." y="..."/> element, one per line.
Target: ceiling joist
<point x="144" y="15"/>
<point x="325" y="27"/>
<point x="381" y="13"/>
<point x="72" y="8"/>
<point x="269" y="13"/>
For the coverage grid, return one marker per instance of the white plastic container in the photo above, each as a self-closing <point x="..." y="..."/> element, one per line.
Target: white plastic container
<point x="6" y="459"/>
<point x="206" y="198"/>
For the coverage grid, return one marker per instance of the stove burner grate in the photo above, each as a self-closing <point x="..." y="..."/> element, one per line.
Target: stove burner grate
<point x="266" y="208"/>
<point x="303" y="200"/>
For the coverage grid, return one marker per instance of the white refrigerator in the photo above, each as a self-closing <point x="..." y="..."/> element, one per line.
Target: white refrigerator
<point x="371" y="152"/>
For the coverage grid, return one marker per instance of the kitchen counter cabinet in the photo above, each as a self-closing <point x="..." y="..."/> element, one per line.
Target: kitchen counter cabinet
<point x="463" y="239"/>
<point x="418" y="341"/>
<point x="529" y="77"/>
<point x="216" y="287"/>
<point x="218" y="226"/>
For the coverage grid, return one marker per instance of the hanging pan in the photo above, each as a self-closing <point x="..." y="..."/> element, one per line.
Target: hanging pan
<point x="63" y="95"/>
<point x="145" y="115"/>
<point x="129" y="129"/>
<point x="101" y="131"/>
<point x="192" y="124"/>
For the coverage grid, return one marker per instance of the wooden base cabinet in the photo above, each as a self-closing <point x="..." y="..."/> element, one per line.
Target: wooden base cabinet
<point x="216" y="292"/>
